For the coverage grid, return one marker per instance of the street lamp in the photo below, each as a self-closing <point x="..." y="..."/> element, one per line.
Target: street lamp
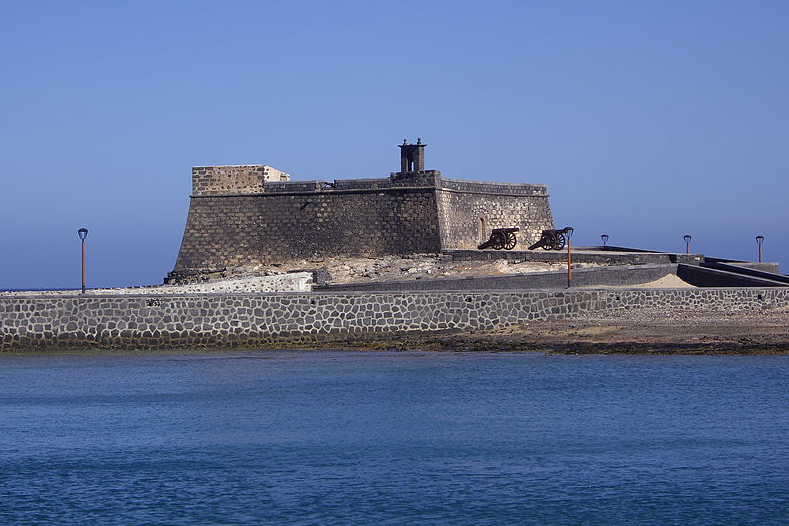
<point x="569" y="233"/>
<point x="83" y="233"/>
<point x="604" y="237"/>
<point x="759" y="241"/>
<point x="687" y="243"/>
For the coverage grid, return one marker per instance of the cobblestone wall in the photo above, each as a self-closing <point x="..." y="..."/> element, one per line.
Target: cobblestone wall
<point x="246" y="320"/>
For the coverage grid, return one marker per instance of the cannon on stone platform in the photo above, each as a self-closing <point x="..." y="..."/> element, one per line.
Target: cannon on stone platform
<point x="551" y="240"/>
<point x="501" y="238"/>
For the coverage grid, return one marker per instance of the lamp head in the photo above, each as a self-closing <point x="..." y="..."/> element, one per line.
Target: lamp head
<point x="569" y="231"/>
<point x="604" y="237"/>
<point x="83" y="233"/>
<point x="759" y="240"/>
<point x="686" y="237"/>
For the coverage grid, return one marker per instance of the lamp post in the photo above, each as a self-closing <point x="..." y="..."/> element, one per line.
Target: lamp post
<point x="687" y="243"/>
<point x="83" y="233"/>
<point x="759" y="241"/>
<point x="604" y="237"/>
<point x="569" y="233"/>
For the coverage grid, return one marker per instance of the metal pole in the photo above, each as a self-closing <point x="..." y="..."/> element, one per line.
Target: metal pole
<point x="760" y="253"/>
<point x="83" y="266"/>
<point x="569" y="264"/>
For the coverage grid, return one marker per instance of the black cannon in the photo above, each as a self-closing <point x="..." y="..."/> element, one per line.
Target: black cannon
<point x="501" y="238"/>
<point x="551" y="240"/>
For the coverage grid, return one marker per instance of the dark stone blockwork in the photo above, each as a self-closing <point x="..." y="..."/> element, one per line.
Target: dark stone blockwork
<point x="243" y="215"/>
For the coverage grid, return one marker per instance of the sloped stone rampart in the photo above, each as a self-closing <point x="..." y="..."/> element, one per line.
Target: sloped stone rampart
<point x="236" y="221"/>
<point x="249" y="320"/>
<point x="235" y="231"/>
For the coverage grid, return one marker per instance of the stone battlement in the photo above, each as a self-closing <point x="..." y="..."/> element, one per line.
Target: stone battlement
<point x="429" y="179"/>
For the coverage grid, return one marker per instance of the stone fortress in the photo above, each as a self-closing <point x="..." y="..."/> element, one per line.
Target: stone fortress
<point x="251" y="215"/>
<point x="244" y="217"/>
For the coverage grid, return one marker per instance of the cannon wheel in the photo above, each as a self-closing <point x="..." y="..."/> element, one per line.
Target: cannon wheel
<point x="509" y="244"/>
<point x="498" y="240"/>
<point x="548" y="241"/>
<point x="559" y="244"/>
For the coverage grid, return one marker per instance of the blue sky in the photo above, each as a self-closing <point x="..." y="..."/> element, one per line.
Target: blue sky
<point x="647" y="120"/>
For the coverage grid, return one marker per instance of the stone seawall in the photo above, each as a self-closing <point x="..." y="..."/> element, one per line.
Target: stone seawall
<point x="250" y="320"/>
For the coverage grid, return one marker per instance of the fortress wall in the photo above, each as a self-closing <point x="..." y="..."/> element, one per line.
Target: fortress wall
<point x="255" y="320"/>
<point x="469" y="210"/>
<point x="220" y="232"/>
<point x="242" y="230"/>
<point x="242" y="179"/>
<point x="250" y="215"/>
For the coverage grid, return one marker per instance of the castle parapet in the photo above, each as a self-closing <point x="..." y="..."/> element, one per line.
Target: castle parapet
<point x="487" y="187"/>
<point x="362" y="184"/>
<point x="426" y="179"/>
<point x="274" y="187"/>
<point x="430" y="178"/>
<point x="241" y="179"/>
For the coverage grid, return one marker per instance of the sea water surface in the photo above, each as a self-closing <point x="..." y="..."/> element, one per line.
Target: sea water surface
<point x="291" y="437"/>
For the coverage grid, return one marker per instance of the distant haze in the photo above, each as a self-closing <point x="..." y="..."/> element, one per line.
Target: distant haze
<point x="646" y="120"/>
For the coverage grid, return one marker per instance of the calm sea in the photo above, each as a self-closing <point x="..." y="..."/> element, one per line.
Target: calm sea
<point x="380" y="438"/>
